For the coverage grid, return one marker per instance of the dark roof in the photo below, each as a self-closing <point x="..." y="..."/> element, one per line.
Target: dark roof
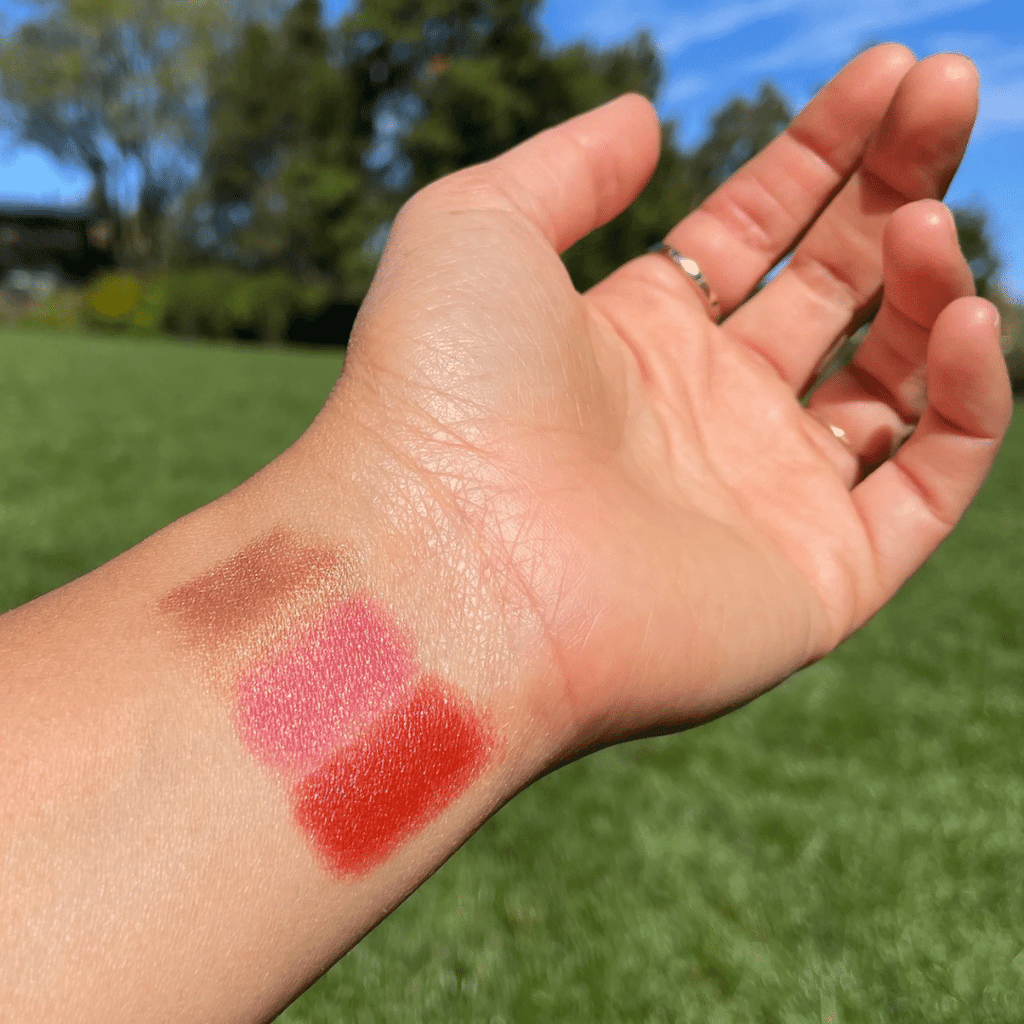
<point x="47" y="212"/>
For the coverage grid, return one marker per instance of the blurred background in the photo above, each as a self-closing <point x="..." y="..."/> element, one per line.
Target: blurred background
<point x="229" y="168"/>
<point x="848" y="848"/>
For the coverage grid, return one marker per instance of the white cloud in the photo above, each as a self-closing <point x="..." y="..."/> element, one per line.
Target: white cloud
<point x="675" y="30"/>
<point x="814" y="32"/>
<point x="812" y="35"/>
<point x="609" y="22"/>
<point x="823" y="30"/>
<point x="969" y="43"/>
<point x="712" y="52"/>
<point x="984" y="48"/>
<point x="832" y="31"/>
<point x="683" y="88"/>
<point x="681" y="31"/>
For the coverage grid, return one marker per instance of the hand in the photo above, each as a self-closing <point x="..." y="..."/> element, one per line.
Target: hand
<point x="679" y="531"/>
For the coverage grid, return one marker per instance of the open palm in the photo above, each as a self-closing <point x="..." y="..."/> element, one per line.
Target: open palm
<point x="683" y="530"/>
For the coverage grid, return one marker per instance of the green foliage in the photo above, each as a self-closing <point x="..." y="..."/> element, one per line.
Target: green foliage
<point x="972" y="228"/>
<point x="221" y="302"/>
<point x="737" y="132"/>
<point x="681" y="182"/>
<point x="125" y="302"/>
<point x="115" y="87"/>
<point x="1012" y="314"/>
<point x="283" y="187"/>
<point x="975" y="235"/>
<point x="460" y="82"/>
<point x="318" y="137"/>
<point x="308" y="140"/>
<point x="216" y="302"/>
<point x="671" y="193"/>
<point x="61" y="309"/>
<point x="845" y="848"/>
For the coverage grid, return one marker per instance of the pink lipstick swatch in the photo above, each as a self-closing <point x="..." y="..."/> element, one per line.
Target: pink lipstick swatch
<point x="294" y="708"/>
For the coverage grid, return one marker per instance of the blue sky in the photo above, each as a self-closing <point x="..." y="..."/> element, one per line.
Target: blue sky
<point x="712" y="51"/>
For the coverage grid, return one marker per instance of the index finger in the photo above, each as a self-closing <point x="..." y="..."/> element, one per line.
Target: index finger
<point x="749" y="223"/>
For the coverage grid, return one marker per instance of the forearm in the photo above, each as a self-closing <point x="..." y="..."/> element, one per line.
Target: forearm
<point x="231" y="751"/>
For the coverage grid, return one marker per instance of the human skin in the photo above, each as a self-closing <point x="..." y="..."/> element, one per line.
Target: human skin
<point x="572" y="519"/>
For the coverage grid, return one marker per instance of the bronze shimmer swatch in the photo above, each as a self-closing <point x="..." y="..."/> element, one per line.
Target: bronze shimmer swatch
<point x="264" y="586"/>
<point x="328" y="694"/>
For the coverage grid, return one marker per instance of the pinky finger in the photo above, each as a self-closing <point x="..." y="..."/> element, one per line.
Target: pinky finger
<point x="910" y="503"/>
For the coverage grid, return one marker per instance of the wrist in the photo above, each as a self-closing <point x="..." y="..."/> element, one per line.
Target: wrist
<point x="415" y="619"/>
<point x="440" y="553"/>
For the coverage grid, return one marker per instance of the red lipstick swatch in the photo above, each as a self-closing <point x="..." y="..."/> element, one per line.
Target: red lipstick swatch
<point x="412" y="762"/>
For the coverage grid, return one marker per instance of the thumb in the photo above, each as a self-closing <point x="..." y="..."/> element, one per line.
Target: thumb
<point x="567" y="180"/>
<point x="576" y="176"/>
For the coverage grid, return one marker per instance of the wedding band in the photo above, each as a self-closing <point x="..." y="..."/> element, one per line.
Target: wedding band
<point x="695" y="274"/>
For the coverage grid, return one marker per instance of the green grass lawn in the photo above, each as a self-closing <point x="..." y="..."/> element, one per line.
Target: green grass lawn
<point x="848" y="848"/>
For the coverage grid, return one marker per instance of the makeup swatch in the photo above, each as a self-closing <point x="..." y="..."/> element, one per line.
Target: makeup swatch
<point x="257" y="592"/>
<point x="327" y="693"/>
<point x="407" y="766"/>
<point x="296" y="706"/>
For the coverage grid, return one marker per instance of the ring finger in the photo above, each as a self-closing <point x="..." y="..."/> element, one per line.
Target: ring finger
<point x="876" y="400"/>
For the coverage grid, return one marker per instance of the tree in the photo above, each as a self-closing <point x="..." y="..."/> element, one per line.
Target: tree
<point x="116" y="87"/>
<point x="318" y="136"/>
<point x="976" y="243"/>
<point x="741" y="129"/>
<point x="283" y="184"/>
<point x="448" y="82"/>
<point x="460" y="81"/>
<point x="456" y="82"/>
